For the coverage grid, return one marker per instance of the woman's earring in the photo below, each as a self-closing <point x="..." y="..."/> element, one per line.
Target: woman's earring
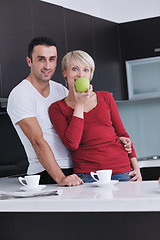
<point x="66" y="83"/>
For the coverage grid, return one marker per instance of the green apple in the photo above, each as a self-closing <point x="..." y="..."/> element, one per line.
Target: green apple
<point x="82" y="84"/>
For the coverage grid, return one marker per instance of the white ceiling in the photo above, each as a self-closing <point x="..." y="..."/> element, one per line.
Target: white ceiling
<point x="118" y="11"/>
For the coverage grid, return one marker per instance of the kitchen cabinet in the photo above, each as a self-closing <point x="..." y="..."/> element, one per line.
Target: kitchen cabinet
<point x="150" y="173"/>
<point x="20" y="21"/>
<point x="80" y="225"/>
<point x="13" y="157"/>
<point x="108" y="73"/>
<point x="16" y="32"/>
<point x="48" y="20"/>
<point x="99" y="38"/>
<point x="139" y="39"/>
<point x="79" y="35"/>
<point x="78" y="31"/>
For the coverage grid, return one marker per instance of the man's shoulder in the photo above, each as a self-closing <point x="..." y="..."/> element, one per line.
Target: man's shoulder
<point x="56" y="84"/>
<point x="58" y="89"/>
<point x="20" y="102"/>
<point x="23" y="85"/>
<point x="20" y="94"/>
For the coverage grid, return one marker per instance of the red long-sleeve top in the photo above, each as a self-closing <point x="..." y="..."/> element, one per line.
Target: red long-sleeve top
<point x="93" y="141"/>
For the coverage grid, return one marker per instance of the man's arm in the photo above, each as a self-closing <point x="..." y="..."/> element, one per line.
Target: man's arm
<point x="136" y="173"/>
<point x="127" y="144"/>
<point x="32" y="130"/>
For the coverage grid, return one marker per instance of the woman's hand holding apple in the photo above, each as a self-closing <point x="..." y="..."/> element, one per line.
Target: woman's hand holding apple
<point x="81" y="99"/>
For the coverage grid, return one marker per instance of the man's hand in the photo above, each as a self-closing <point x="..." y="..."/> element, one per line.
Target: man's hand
<point x="136" y="175"/>
<point x="126" y="143"/>
<point x="71" y="180"/>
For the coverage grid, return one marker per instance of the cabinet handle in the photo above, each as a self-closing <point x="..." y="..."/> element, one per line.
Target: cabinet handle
<point x="157" y="49"/>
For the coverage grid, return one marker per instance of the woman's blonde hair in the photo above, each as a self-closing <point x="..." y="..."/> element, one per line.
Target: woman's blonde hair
<point x="80" y="56"/>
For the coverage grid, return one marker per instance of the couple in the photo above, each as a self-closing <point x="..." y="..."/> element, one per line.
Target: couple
<point x="28" y="106"/>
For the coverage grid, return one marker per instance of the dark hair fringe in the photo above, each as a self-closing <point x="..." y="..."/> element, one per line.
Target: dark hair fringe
<point x="39" y="41"/>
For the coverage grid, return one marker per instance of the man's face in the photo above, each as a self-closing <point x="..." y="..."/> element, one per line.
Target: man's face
<point x="44" y="62"/>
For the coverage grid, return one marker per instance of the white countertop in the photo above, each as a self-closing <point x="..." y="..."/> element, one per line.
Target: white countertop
<point x="149" y="163"/>
<point x="122" y="197"/>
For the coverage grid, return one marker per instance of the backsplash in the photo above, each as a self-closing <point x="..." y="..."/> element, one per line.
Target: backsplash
<point x="141" y="119"/>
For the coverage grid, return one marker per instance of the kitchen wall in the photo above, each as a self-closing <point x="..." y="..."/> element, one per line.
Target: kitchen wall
<point x="141" y="120"/>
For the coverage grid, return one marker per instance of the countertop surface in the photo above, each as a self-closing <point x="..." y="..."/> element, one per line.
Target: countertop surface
<point x="149" y="163"/>
<point x="119" y="197"/>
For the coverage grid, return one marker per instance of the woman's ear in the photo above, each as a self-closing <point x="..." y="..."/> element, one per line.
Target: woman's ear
<point x="64" y="74"/>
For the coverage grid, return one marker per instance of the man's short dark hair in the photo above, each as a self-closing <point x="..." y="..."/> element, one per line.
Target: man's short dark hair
<point x="39" y="41"/>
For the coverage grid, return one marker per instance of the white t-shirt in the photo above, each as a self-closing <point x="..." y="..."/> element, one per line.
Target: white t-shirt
<point x="25" y="101"/>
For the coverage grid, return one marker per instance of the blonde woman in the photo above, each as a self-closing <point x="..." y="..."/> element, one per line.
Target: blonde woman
<point x="90" y="126"/>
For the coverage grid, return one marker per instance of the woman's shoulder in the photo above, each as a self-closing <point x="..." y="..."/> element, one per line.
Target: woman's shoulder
<point x="58" y="104"/>
<point x="104" y="95"/>
<point x="61" y="107"/>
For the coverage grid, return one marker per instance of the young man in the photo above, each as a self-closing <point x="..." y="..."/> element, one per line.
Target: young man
<point x="28" y="105"/>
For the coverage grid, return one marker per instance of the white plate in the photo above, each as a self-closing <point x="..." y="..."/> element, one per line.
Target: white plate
<point x="111" y="183"/>
<point x="34" y="189"/>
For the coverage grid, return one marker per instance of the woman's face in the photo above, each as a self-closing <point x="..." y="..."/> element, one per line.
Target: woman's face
<point x="76" y="70"/>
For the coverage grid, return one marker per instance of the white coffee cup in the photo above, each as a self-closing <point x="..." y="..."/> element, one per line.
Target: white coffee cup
<point x="104" y="176"/>
<point x="30" y="181"/>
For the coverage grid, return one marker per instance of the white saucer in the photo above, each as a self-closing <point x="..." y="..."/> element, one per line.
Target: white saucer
<point x="33" y="189"/>
<point x="111" y="183"/>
